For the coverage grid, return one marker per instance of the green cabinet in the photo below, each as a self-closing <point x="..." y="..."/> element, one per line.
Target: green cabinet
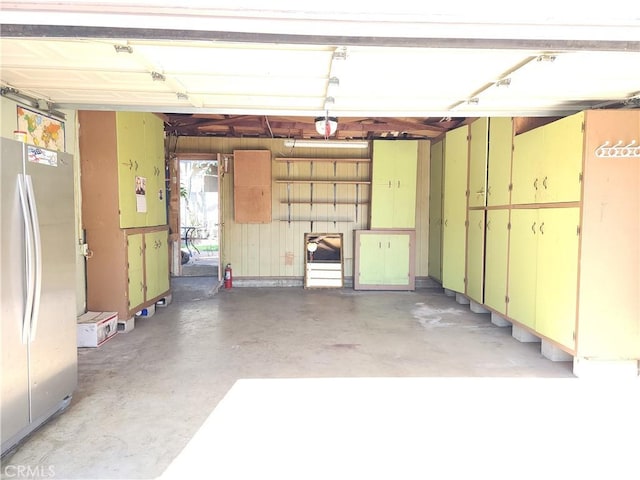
<point x="523" y="264"/>
<point x="435" y="211"/>
<point x="454" y="209"/>
<point x="393" y="183"/>
<point x="141" y="174"/>
<point x="124" y="210"/>
<point x="135" y="270"/>
<point x="496" y="260"/>
<point x="384" y="260"/>
<point x="156" y="263"/>
<point x="478" y="156"/>
<point x="499" y="168"/>
<point x="475" y="256"/>
<point x="547" y="163"/>
<point x="543" y="271"/>
<point x="557" y="274"/>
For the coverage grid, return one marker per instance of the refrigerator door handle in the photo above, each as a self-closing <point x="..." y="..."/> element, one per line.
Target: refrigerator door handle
<point x="35" y="225"/>
<point x="29" y="260"/>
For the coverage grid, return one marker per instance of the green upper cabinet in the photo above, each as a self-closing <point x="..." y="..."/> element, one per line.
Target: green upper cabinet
<point x="394" y="175"/>
<point x="547" y="162"/>
<point x="499" y="169"/>
<point x="131" y="167"/>
<point x="140" y="157"/>
<point x="496" y="260"/>
<point x="478" y="153"/>
<point x="561" y="172"/>
<point x="435" y="211"/>
<point x="156" y="188"/>
<point x="454" y="209"/>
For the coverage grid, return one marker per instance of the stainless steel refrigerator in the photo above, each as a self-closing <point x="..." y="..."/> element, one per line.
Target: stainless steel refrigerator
<point x="38" y="299"/>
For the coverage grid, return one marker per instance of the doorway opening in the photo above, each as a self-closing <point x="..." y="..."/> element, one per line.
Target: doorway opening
<point x="199" y="217"/>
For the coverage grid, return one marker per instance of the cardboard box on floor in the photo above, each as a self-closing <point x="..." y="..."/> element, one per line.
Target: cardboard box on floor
<point x="95" y="328"/>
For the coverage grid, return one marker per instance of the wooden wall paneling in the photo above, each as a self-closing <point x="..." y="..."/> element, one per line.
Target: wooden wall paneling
<point x="609" y="295"/>
<point x="98" y="146"/>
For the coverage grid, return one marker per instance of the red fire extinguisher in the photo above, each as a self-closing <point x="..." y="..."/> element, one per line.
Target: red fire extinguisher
<point x="228" y="276"/>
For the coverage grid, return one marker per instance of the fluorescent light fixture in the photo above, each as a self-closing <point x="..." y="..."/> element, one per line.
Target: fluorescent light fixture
<point x="326" y="143"/>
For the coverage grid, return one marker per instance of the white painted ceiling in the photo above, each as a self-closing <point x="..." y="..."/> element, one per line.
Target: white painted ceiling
<point x="250" y="60"/>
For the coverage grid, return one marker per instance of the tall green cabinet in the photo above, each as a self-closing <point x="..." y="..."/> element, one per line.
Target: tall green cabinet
<point x="435" y="211"/>
<point x="384" y="256"/>
<point x="454" y="208"/>
<point x="124" y="210"/>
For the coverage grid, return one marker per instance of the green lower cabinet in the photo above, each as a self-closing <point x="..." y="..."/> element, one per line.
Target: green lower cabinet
<point x="475" y="256"/>
<point x="384" y="260"/>
<point x="135" y="270"/>
<point x="156" y="263"/>
<point x="557" y="274"/>
<point x="523" y="251"/>
<point x="496" y="260"/>
<point x="543" y="271"/>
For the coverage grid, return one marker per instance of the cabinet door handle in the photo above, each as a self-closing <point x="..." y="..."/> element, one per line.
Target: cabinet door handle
<point x="446" y="221"/>
<point x="398" y="183"/>
<point x="389" y="183"/>
<point x="389" y="245"/>
<point x="379" y="244"/>
<point x="542" y="228"/>
<point x="544" y="183"/>
<point x="533" y="228"/>
<point x="136" y="164"/>
<point x="489" y="225"/>
<point x="489" y="190"/>
<point x="535" y="184"/>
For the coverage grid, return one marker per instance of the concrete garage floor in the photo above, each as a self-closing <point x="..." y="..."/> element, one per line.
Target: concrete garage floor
<point x="143" y="395"/>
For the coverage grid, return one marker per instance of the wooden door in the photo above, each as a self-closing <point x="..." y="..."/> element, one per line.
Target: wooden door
<point x="557" y="274"/>
<point x="497" y="248"/>
<point x="404" y="183"/>
<point x="454" y="209"/>
<point x="561" y="166"/>
<point x="397" y="255"/>
<point x="478" y="153"/>
<point x="135" y="269"/>
<point x="371" y="259"/>
<point x="523" y="251"/>
<point x="156" y="263"/>
<point x="499" y="168"/>
<point x="527" y="157"/>
<point x="131" y="175"/>
<point x="475" y="256"/>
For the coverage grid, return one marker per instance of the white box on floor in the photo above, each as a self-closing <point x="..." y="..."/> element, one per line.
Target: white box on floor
<point x="95" y="328"/>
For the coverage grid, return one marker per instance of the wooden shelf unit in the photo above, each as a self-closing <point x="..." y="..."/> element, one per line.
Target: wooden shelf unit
<point x="326" y="199"/>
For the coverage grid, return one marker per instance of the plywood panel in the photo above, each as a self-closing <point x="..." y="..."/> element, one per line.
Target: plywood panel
<point x="252" y="186"/>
